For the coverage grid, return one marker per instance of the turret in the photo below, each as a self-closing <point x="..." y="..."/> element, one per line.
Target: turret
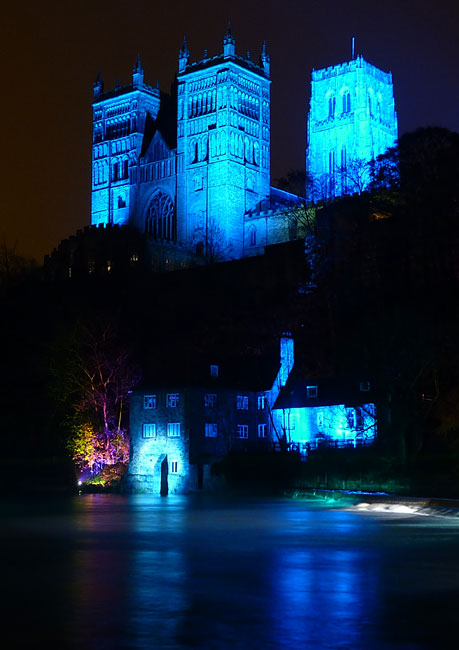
<point x="138" y="73"/>
<point x="98" y="87"/>
<point x="229" y="43"/>
<point x="265" y="60"/>
<point x="184" y="55"/>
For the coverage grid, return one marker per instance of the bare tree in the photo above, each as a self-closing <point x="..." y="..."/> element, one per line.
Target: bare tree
<point x="93" y="375"/>
<point x="354" y="177"/>
<point x="212" y="243"/>
<point x="12" y="265"/>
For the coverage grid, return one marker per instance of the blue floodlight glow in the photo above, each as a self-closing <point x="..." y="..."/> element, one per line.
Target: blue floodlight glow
<point x="352" y="120"/>
<point x="219" y="169"/>
<point x="335" y="424"/>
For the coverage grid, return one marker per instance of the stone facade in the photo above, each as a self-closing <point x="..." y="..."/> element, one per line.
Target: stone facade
<point x="352" y="120"/>
<point x="193" y="183"/>
<point x="193" y="169"/>
<point x="208" y="422"/>
<point x="179" y="431"/>
<point x="120" y="118"/>
<point x="338" y="412"/>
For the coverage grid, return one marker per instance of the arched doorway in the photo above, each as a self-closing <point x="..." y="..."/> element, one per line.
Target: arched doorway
<point x="164" y="488"/>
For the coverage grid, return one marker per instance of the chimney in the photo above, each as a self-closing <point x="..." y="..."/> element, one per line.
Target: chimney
<point x="287" y="357"/>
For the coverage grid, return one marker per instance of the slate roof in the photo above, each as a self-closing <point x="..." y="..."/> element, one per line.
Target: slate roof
<point x="330" y="391"/>
<point x="220" y="59"/>
<point x="277" y="200"/>
<point x="248" y="373"/>
<point x="165" y="123"/>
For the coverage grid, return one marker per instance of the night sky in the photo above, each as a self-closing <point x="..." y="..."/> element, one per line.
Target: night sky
<point x="53" y="51"/>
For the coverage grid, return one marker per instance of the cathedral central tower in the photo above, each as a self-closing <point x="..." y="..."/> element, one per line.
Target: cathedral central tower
<point x="352" y="120"/>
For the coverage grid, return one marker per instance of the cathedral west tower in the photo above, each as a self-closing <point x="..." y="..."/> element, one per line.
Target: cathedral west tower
<point x="223" y="145"/>
<point x="119" y="118"/>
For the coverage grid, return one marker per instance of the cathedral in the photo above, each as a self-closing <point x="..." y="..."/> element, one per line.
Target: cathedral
<point x="193" y="169"/>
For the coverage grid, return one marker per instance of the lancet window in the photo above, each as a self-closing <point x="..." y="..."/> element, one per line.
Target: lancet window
<point x="161" y="221"/>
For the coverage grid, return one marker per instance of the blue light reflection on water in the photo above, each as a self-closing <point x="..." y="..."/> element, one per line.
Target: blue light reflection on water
<point x="145" y="572"/>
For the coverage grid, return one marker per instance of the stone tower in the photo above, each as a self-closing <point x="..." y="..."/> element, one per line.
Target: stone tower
<point x="119" y="118"/>
<point x="352" y="120"/>
<point x="223" y="146"/>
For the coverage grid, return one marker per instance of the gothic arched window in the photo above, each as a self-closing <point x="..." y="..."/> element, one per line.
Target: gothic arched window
<point x="256" y="153"/>
<point x="346" y="103"/>
<point x="193" y="151"/>
<point x="331" y="106"/>
<point x="160" y="219"/>
<point x="253" y="236"/>
<point x="115" y="171"/>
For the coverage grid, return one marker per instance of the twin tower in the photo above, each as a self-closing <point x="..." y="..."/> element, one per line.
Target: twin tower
<point x="190" y="168"/>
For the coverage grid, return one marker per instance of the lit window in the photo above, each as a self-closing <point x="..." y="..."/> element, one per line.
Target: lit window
<point x="242" y="430"/>
<point x="242" y="402"/>
<point x="174" y="467"/>
<point x="311" y="391"/>
<point x="261" y="402"/>
<point x="210" y="400"/>
<point x="210" y="430"/>
<point x="214" y="371"/>
<point x="262" y="430"/>
<point x="320" y="419"/>
<point x="364" y="386"/>
<point x="173" y="429"/>
<point x="149" y="430"/>
<point x="351" y="418"/>
<point x="172" y="400"/>
<point x="149" y="402"/>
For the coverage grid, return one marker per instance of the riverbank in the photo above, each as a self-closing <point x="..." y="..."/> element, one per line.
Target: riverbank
<point x="383" y="502"/>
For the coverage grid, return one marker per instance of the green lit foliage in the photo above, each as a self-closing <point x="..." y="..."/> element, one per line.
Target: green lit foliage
<point x="94" y="450"/>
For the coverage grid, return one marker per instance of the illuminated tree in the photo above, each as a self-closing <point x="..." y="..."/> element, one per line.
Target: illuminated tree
<point x="93" y="377"/>
<point x="94" y="450"/>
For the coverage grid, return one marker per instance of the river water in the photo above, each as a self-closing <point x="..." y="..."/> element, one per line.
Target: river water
<point x="104" y="571"/>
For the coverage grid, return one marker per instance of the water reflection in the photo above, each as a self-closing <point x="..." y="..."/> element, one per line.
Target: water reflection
<point x="145" y="572"/>
<point x="156" y="598"/>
